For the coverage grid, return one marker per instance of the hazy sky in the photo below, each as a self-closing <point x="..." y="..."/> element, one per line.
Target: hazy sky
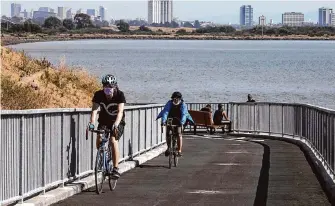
<point x="218" y="11"/>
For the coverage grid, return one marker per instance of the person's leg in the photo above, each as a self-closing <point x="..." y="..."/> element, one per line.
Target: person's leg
<point x="168" y="140"/>
<point x="114" y="140"/>
<point x="98" y="141"/>
<point x="180" y="140"/>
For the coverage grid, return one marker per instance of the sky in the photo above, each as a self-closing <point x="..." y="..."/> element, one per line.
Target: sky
<point x="188" y="10"/>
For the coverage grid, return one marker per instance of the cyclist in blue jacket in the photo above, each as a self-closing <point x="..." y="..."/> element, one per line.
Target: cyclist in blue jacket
<point x="176" y="109"/>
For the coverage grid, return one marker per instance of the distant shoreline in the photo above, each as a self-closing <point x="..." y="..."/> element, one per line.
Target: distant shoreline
<point x="7" y="40"/>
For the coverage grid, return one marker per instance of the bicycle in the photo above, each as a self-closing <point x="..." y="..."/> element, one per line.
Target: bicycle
<point x="173" y="142"/>
<point x="102" y="162"/>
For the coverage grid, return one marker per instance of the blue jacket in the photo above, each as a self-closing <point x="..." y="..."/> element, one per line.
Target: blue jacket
<point x="184" y="113"/>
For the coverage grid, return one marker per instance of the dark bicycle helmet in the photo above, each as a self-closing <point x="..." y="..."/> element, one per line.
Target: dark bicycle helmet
<point x="109" y="79"/>
<point x="176" y="95"/>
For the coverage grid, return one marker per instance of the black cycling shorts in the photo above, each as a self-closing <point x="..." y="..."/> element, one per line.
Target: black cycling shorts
<point x="120" y="129"/>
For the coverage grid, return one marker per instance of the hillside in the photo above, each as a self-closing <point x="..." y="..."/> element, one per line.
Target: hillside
<point x="28" y="83"/>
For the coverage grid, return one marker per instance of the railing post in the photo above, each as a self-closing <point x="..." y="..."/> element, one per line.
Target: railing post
<point x="139" y="131"/>
<point x="62" y="149"/>
<point x="44" y="153"/>
<point x="145" y="128"/>
<point x="269" y="120"/>
<point x="78" y="146"/>
<point x="282" y="120"/>
<point x="255" y="118"/>
<point x="151" y="133"/>
<point x="131" y="135"/>
<point x="22" y="131"/>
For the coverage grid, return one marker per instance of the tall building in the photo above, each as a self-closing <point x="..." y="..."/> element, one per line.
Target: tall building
<point x="293" y="18"/>
<point x="160" y="11"/>
<point x="325" y="16"/>
<point x="91" y="12"/>
<point x="46" y="9"/>
<point x="262" y="20"/>
<point x="246" y="15"/>
<point x="15" y="9"/>
<point x="69" y="14"/>
<point x="333" y="19"/>
<point x="102" y="13"/>
<point x="62" y="12"/>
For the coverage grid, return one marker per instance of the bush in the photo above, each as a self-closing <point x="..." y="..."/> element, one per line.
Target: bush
<point x="17" y="97"/>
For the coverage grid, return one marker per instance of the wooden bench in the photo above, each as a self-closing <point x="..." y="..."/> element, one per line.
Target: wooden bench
<point x="204" y="119"/>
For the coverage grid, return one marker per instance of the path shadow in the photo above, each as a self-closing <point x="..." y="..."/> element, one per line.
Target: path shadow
<point x="263" y="181"/>
<point x="153" y="166"/>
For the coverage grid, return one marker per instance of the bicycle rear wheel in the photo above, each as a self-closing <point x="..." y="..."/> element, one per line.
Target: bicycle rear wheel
<point x="99" y="179"/>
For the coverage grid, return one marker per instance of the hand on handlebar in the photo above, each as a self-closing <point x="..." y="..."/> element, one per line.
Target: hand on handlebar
<point x="90" y="126"/>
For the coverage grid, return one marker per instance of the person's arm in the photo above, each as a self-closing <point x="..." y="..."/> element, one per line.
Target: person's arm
<point x="119" y="114"/>
<point x="165" y="112"/>
<point x="225" y="116"/>
<point x="120" y="108"/>
<point x="95" y="108"/>
<point x="184" y="112"/>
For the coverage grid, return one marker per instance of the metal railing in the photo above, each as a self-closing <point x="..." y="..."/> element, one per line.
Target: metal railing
<point x="315" y="126"/>
<point x="46" y="148"/>
<point x="41" y="149"/>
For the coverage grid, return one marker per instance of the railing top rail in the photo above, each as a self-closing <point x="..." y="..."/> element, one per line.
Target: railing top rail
<point x="68" y="110"/>
<point x="290" y="104"/>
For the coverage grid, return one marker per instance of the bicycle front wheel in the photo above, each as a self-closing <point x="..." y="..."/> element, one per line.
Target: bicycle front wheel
<point x="99" y="172"/>
<point x="175" y="157"/>
<point x="171" y="152"/>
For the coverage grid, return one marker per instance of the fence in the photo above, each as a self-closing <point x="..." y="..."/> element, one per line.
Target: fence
<point x="315" y="126"/>
<point x="41" y="149"/>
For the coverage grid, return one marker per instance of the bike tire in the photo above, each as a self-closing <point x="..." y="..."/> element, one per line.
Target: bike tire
<point x="112" y="183"/>
<point x="171" y="153"/>
<point x="175" y="157"/>
<point x="111" y="180"/>
<point x="99" y="170"/>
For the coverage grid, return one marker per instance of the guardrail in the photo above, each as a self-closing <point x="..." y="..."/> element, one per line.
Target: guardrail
<point x="315" y="126"/>
<point x="46" y="148"/>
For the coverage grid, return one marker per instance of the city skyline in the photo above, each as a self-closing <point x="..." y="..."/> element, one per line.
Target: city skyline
<point x="218" y="12"/>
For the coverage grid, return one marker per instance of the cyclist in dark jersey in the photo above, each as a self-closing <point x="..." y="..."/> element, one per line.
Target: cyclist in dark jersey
<point x="111" y="102"/>
<point x="177" y="109"/>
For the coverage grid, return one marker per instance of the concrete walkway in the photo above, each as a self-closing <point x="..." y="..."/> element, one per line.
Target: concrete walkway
<point x="216" y="171"/>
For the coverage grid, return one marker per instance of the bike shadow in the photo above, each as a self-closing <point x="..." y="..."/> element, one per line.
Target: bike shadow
<point x="153" y="166"/>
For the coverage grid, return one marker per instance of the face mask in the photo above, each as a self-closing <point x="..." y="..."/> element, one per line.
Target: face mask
<point x="108" y="91"/>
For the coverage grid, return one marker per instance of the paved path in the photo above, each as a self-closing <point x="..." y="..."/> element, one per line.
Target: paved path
<point x="229" y="171"/>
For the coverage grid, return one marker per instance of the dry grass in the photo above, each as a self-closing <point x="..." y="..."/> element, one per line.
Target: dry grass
<point x="28" y="83"/>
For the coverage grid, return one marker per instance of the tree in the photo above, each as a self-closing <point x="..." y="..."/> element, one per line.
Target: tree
<point x="270" y="31"/>
<point x="52" y="22"/>
<point x="174" y="24"/>
<point x="123" y="26"/>
<point x="82" y="20"/>
<point x="105" y="23"/>
<point x="197" y="24"/>
<point x="188" y="24"/>
<point x="143" y="28"/>
<point x="68" y="23"/>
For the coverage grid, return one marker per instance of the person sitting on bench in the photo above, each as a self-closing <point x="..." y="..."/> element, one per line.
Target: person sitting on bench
<point x="218" y="115"/>
<point x="207" y="108"/>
